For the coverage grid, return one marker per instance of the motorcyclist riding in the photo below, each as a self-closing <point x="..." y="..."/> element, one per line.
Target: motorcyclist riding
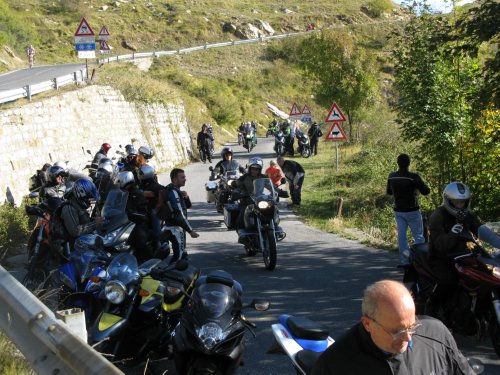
<point x="102" y="153"/>
<point x="227" y="163"/>
<point x="446" y="224"/>
<point x="245" y="186"/>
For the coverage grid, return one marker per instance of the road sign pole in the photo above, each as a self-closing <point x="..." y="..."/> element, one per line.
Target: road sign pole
<point x="337" y="155"/>
<point x="87" y="68"/>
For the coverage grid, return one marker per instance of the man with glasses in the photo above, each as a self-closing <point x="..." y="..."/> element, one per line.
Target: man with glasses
<point x="390" y="340"/>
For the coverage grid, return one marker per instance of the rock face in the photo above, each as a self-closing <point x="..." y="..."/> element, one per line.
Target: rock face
<point x="255" y="29"/>
<point x="128" y="45"/>
<point x="64" y="126"/>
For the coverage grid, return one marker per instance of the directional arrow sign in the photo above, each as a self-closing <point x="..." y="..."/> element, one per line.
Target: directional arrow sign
<point x="335" y="114"/>
<point x="336" y="133"/>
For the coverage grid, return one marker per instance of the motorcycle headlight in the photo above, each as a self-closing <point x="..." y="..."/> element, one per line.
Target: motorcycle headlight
<point x="110" y="237"/>
<point x="494" y="270"/>
<point x="247" y="136"/>
<point x="210" y="334"/>
<point x="115" y="291"/>
<point x="263" y="205"/>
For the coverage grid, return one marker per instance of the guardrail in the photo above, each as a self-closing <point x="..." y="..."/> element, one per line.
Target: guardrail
<point x="79" y="76"/>
<point x="48" y="344"/>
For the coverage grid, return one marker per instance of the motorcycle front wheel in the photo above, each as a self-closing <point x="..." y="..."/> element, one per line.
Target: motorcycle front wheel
<point x="269" y="253"/>
<point x="306" y="152"/>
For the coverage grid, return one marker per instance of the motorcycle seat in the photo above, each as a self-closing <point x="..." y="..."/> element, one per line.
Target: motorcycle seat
<point x="306" y="359"/>
<point x="306" y="329"/>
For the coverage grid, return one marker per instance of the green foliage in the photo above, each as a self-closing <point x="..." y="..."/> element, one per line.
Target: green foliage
<point x="14" y="227"/>
<point x="14" y="30"/>
<point x="12" y="364"/>
<point x="377" y="7"/>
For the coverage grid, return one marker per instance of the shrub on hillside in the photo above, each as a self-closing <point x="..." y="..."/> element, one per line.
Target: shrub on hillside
<point x="377" y="7"/>
<point x="14" y="226"/>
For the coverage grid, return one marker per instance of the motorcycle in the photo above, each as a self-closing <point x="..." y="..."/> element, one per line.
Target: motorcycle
<point x="210" y="336"/>
<point x="475" y="306"/>
<point x="301" y="339"/>
<point x="271" y="129"/>
<point x="304" y="144"/>
<point x="224" y="188"/>
<point x="143" y="307"/>
<point x="249" y="139"/>
<point x="40" y="256"/>
<point x="279" y="143"/>
<point x="240" y="138"/>
<point x="261" y="219"/>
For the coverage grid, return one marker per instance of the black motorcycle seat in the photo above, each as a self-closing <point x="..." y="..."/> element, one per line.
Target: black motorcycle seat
<point x="171" y="272"/>
<point x="304" y="328"/>
<point x="306" y="359"/>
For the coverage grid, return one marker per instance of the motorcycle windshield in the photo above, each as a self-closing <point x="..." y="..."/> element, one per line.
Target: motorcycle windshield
<point x="114" y="211"/>
<point x="124" y="268"/>
<point x="83" y="260"/>
<point x="215" y="299"/>
<point x="262" y="189"/>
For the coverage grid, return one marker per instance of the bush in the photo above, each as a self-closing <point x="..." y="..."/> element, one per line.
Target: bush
<point x="377" y="7"/>
<point x="14" y="227"/>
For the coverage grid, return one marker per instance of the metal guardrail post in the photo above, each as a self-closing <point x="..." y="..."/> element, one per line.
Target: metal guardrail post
<point x="55" y="84"/>
<point x="28" y="92"/>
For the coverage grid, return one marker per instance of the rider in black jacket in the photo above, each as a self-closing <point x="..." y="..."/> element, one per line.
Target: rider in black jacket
<point x="227" y="163"/>
<point x="391" y="340"/>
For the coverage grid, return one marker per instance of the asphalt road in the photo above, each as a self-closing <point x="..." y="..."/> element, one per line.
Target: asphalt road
<point x="318" y="275"/>
<point x="23" y="77"/>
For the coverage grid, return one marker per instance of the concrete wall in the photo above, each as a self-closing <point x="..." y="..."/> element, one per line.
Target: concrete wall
<point x="65" y="126"/>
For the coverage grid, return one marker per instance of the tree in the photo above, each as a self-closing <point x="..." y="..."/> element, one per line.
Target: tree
<point x="341" y="69"/>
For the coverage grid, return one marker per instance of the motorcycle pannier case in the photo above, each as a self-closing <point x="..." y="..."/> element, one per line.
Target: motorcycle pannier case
<point x="231" y="212"/>
<point x="210" y="187"/>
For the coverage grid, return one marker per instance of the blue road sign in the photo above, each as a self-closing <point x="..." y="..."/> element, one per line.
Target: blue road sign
<point x="307" y="119"/>
<point x="85" y="46"/>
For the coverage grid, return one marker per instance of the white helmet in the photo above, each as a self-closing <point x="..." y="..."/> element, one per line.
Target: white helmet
<point x="459" y="192"/>
<point x="125" y="179"/>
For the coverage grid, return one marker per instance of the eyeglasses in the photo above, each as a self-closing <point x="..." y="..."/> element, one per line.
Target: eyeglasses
<point x="399" y="335"/>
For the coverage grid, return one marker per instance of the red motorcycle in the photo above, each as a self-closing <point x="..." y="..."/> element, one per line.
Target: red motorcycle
<point x="474" y="309"/>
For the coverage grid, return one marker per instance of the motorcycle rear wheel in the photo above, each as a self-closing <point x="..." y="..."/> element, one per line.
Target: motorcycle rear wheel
<point x="269" y="252"/>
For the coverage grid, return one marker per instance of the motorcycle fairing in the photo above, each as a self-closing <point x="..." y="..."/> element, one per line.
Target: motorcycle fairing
<point x="107" y="320"/>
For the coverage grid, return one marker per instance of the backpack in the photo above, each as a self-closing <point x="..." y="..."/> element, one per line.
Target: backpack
<point x="163" y="210"/>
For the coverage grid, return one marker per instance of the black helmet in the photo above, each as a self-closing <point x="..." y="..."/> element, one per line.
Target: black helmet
<point x="225" y="151"/>
<point x="53" y="172"/>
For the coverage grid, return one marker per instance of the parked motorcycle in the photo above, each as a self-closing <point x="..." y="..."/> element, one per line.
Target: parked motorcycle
<point x="143" y="307"/>
<point x="279" y="143"/>
<point x="301" y="339"/>
<point x="272" y="129"/>
<point x="261" y="219"/>
<point x="304" y="144"/>
<point x="210" y="336"/>
<point x="40" y="257"/>
<point x="474" y="308"/>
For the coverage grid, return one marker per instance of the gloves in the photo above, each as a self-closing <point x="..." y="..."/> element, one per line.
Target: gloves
<point x="457" y="228"/>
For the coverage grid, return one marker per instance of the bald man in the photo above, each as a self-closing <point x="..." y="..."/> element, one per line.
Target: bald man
<point x="391" y="340"/>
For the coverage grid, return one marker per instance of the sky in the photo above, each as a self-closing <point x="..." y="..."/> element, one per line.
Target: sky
<point x="441" y="5"/>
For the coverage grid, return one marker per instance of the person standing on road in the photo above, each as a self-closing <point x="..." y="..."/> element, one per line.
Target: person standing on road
<point x="391" y="340"/>
<point x="404" y="186"/>
<point x="177" y="203"/>
<point x="295" y="174"/>
<point x="203" y="142"/>
<point x="30" y="52"/>
<point x="315" y="134"/>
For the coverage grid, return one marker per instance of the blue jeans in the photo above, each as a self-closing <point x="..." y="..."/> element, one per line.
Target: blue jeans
<point x="413" y="220"/>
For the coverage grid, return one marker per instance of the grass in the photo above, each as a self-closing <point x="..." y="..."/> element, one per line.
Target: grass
<point x="12" y="361"/>
<point x="14" y="228"/>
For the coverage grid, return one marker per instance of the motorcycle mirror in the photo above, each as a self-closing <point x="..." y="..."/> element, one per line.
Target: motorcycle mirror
<point x="211" y="169"/>
<point x="476" y="365"/>
<point x="283" y="180"/>
<point x="88" y="152"/>
<point x="260" y="304"/>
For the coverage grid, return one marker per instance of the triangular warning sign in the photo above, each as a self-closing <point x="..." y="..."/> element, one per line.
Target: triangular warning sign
<point x="84" y="29"/>
<point x="104" y="31"/>
<point x="104" y="46"/>
<point x="295" y="111"/>
<point x="336" y="133"/>
<point x="335" y="114"/>
<point x="306" y="110"/>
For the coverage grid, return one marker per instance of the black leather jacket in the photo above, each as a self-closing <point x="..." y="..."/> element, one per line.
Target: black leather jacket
<point x="405" y="186"/>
